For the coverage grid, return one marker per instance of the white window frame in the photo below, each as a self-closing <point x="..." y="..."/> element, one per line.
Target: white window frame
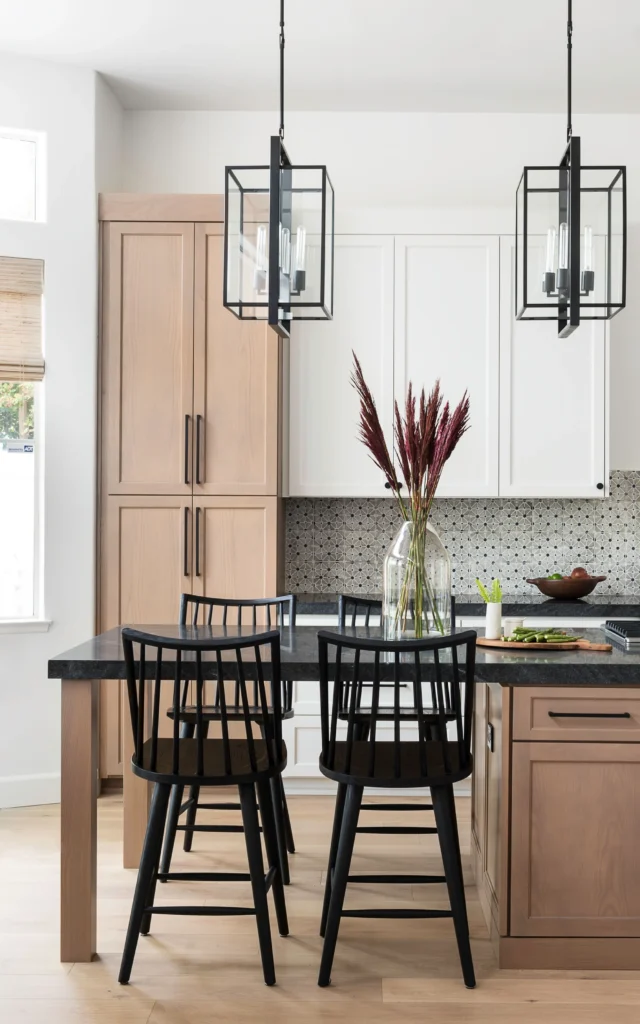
<point x="40" y="140"/>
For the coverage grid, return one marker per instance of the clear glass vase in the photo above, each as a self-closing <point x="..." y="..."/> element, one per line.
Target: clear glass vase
<point x="417" y="585"/>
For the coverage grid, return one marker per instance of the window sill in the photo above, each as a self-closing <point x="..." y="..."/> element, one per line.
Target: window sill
<point x="24" y="625"/>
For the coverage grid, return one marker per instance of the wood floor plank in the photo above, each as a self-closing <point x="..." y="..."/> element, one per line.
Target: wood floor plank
<point x="384" y="970"/>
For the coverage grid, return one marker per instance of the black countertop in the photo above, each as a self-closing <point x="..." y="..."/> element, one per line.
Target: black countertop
<point x="102" y="658"/>
<point x="595" y="606"/>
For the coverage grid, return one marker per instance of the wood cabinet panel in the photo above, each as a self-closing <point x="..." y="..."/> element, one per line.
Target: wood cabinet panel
<point x="146" y="547"/>
<point x="535" y="710"/>
<point x="575" y="836"/>
<point x="236" y="553"/>
<point x="147" y="378"/>
<point x="235" y="385"/>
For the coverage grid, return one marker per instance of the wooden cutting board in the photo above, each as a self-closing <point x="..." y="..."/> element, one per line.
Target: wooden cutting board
<point x="577" y="645"/>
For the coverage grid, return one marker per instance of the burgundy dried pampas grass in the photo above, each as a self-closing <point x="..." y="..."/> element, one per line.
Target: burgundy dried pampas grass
<point x="425" y="438"/>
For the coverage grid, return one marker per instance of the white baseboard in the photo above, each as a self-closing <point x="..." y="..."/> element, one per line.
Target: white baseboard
<point x="29" y="790"/>
<point x="325" y="787"/>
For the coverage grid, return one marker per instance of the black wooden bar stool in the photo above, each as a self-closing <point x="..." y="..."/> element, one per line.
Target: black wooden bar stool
<point x="351" y="608"/>
<point x="196" y="610"/>
<point x="397" y="752"/>
<point x="248" y="763"/>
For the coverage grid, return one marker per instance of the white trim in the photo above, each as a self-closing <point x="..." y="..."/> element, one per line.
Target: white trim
<point x="29" y="790"/>
<point x="24" y="626"/>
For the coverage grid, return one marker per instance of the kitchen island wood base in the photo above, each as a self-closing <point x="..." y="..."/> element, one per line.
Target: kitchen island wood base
<point x="556" y="824"/>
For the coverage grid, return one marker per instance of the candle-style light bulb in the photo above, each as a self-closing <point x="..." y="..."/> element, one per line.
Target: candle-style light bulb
<point x="300" y="265"/>
<point x="549" y="276"/>
<point x="285" y="250"/>
<point x="587" y="281"/>
<point x="563" y="257"/>
<point x="260" y="272"/>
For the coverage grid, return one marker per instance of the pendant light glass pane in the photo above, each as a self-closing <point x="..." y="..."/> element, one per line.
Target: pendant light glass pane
<point x="246" y="275"/>
<point x="311" y="244"/>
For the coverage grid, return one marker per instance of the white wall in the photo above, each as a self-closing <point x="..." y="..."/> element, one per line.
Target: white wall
<point x="60" y="101"/>
<point x="409" y="173"/>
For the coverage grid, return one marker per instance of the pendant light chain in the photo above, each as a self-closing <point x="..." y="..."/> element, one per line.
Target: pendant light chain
<point x="282" y="69"/>
<point x="569" y="49"/>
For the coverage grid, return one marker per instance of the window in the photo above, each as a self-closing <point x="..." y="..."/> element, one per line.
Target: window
<point x="21" y="371"/>
<point x="21" y="174"/>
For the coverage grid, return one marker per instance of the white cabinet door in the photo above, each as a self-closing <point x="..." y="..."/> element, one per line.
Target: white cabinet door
<point x="447" y="327"/>
<point x="325" y="456"/>
<point x="552" y="402"/>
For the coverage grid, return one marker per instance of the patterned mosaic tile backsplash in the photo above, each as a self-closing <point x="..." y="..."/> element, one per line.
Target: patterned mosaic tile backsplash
<point x="338" y="545"/>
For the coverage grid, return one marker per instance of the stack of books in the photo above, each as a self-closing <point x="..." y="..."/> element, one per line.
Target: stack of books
<point x="626" y="633"/>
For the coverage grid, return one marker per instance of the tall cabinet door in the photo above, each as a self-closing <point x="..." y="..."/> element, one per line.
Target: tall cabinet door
<point x="146" y="564"/>
<point x="147" y="379"/>
<point x="552" y="407"/>
<point x="236" y="550"/>
<point x="447" y="327"/>
<point x="236" y="376"/>
<point x="325" y="456"/>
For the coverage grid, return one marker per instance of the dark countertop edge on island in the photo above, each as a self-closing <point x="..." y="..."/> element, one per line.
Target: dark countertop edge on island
<point x="467" y="605"/>
<point x="102" y="658"/>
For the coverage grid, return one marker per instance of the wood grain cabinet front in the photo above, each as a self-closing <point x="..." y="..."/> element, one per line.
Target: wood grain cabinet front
<point x="574" y="840"/>
<point x="146" y="563"/>
<point x="147" y="358"/>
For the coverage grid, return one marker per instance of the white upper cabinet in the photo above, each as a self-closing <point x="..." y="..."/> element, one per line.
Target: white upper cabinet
<point x="325" y="456"/>
<point x="447" y="326"/>
<point x="552" y="403"/>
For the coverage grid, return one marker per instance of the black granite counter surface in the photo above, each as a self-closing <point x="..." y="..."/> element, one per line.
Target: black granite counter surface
<point x="603" y="606"/>
<point x="102" y="658"/>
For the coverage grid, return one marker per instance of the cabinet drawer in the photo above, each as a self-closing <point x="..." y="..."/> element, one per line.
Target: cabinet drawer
<point x="578" y="715"/>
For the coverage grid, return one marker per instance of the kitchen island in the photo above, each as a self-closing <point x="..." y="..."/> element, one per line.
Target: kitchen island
<point x="556" y="796"/>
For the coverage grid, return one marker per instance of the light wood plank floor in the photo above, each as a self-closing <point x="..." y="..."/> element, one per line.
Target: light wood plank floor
<point x="197" y="970"/>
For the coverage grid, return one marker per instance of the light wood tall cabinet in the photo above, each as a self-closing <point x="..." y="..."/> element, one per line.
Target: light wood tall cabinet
<point x="190" y="427"/>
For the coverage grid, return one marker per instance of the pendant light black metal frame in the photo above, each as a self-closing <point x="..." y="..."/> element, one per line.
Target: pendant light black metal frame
<point x="570" y="310"/>
<point x="281" y="302"/>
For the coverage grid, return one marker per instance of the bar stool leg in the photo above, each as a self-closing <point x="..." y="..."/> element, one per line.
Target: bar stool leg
<point x="333" y="852"/>
<point x="445" y="812"/>
<point x="340" y="876"/>
<point x="194" y="796"/>
<point x="278" y="813"/>
<point x="175" y="803"/>
<point x="288" y="831"/>
<point x="273" y="858"/>
<point x="256" y="870"/>
<point x="148" y="864"/>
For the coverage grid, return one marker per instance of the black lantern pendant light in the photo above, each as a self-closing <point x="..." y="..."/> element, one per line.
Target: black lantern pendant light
<point x="571" y="236"/>
<point x="278" y="236"/>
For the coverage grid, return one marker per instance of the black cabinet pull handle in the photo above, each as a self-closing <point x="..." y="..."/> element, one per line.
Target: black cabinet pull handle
<point x="198" y="511"/>
<point x="187" y="420"/>
<point x="589" y="714"/>
<point x="600" y="487"/>
<point x="198" y="422"/>
<point x="186" y="542"/>
<point x="398" y="485"/>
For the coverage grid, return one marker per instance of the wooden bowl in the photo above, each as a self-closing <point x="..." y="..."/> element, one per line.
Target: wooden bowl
<point x="567" y="589"/>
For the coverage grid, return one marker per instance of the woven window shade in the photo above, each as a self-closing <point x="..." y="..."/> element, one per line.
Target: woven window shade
<point x="21" y="284"/>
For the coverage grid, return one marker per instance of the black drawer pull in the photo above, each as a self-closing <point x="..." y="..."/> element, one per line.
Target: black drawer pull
<point x="589" y="714"/>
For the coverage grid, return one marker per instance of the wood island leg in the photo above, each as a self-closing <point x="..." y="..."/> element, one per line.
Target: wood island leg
<point x="136" y="795"/>
<point x="78" y="819"/>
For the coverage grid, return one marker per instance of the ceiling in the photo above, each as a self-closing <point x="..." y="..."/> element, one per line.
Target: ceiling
<point x="407" y="55"/>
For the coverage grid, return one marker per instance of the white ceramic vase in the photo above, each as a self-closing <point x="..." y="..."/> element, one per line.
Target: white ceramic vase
<point x="493" y="624"/>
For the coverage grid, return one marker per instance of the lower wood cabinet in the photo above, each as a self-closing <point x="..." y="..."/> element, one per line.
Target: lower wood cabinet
<point x="575" y="839"/>
<point x="154" y="548"/>
<point x="556" y="825"/>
